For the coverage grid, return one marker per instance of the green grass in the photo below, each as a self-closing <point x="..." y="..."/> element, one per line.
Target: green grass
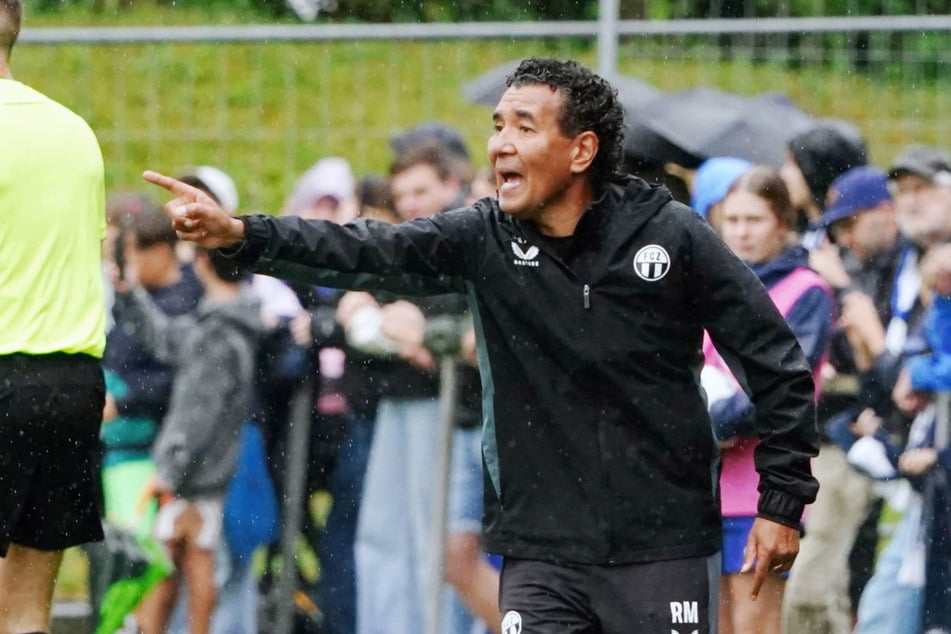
<point x="265" y="112"/>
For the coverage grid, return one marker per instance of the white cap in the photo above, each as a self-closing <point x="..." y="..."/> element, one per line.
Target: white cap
<point x="219" y="184"/>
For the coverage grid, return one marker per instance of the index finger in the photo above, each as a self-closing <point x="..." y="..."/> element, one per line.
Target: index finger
<point x="759" y="575"/>
<point x="173" y="185"/>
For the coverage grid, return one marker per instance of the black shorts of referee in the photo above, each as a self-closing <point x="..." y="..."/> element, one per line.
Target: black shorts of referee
<point x="677" y="596"/>
<point x="50" y="413"/>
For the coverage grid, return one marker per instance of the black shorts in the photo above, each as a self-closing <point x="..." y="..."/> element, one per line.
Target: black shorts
<point x="50" y="412"/>
<point x="678" y="596"/>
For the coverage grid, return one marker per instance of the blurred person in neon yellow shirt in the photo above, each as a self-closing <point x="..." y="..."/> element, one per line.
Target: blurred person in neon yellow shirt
<point x="52" y="335"/>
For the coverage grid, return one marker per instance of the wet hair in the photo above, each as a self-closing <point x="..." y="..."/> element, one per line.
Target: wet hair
<point x="590" y="103"/>
<point x="227" y="269"/>
<point x="447" y="136"/>
<point x="432" y="153"/>
<point x="121" y="205"/>
<point x="373" y="190"/>
<point x="149" y="226"/>
<point x="825" y="152"/>
<point x="766" y="183"/>
<point x="11" y="18"/>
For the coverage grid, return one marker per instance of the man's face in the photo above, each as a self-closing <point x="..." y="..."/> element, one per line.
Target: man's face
<point x="922" y="209"/>
<point x="867" y="233"/>
<point x="418" y="192"/>
<point x="530" y="154"/>
<point x="153" y="264"/>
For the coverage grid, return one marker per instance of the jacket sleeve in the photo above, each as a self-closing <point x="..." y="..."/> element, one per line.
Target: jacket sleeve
<point x="733" y="417"/>
<point x="811" y="320"/>
<point x="419" y="257"/>
<point x="767" y="360"/>
<point x="932" y="372"/>
<point x="200" y="400"/>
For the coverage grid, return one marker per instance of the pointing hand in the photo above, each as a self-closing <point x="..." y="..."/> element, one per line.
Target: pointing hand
<point x="196" y="216"/>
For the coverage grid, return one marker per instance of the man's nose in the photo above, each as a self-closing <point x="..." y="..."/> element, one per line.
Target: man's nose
<point x="500" y="143"/>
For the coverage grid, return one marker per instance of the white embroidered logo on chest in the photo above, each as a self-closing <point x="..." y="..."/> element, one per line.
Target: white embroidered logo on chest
<point x="651" y="263"/>
<point x="524" y="257"/>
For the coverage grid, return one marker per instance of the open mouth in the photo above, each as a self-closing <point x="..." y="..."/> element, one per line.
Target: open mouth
<point x="508" y="180"/>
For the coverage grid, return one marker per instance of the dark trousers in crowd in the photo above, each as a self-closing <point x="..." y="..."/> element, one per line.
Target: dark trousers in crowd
<point x="338" y="593"/>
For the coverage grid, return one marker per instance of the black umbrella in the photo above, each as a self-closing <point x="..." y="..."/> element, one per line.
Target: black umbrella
<point x="690" y="126"/>
<point x="645" y="146"/>
<point x="488" y="87"/>
<point x="633" y="93"/>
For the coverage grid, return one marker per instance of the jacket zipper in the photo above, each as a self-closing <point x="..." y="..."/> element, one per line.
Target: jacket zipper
<point x="587" y="296"/>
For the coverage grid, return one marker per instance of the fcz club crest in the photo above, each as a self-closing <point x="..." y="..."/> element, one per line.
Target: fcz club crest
<point x="512" y="623"/>
<point x="651" y="263"/>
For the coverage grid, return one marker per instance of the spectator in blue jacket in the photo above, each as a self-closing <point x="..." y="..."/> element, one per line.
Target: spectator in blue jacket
<point x="908" y="592"/>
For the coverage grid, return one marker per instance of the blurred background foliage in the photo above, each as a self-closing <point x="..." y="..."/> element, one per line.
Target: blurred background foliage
<point x="265" y="111"/>
<point x="482" y="10"/>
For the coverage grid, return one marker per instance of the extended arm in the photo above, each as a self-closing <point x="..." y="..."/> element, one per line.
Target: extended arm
<point x="424" y="256"/>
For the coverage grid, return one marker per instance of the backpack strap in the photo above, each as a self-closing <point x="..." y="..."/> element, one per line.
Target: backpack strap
<point x="787" y="291"/>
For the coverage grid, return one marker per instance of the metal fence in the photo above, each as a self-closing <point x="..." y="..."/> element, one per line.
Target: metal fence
<point x="264" y="102"/>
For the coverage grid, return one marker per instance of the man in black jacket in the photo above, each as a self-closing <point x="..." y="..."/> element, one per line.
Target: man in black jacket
<point x="590" y="293"/>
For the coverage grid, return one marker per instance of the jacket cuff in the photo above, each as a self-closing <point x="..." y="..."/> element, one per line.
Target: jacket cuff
<point x="256" y="234"/>
<point x="780" y="507"/>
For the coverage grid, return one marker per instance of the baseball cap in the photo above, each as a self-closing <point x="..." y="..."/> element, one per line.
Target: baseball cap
<point x="855" y="191"/>
<point x="218" y="183"/>
<point x="927" y="162"/>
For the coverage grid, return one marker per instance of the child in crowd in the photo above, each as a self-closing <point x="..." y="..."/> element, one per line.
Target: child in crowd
<point x="213" y="352"/>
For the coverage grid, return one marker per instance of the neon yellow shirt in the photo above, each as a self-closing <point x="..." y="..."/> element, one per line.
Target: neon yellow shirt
<point x="52" y="222"/>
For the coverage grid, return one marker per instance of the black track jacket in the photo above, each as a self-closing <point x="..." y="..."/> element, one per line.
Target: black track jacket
<point x="597" y="445"/>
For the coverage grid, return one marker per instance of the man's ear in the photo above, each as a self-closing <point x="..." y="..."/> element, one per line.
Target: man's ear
<point x="585" y="148"/>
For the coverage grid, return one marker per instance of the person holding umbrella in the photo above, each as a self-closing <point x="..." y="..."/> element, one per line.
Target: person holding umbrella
<point x="589" y="292"/>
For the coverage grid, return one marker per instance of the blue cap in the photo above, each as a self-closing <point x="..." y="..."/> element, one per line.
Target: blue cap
<point x="713" y="180"/>
<point x="854" y="191"/>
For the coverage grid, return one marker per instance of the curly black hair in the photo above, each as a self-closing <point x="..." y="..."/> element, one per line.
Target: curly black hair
<point x="590" y="103"/>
